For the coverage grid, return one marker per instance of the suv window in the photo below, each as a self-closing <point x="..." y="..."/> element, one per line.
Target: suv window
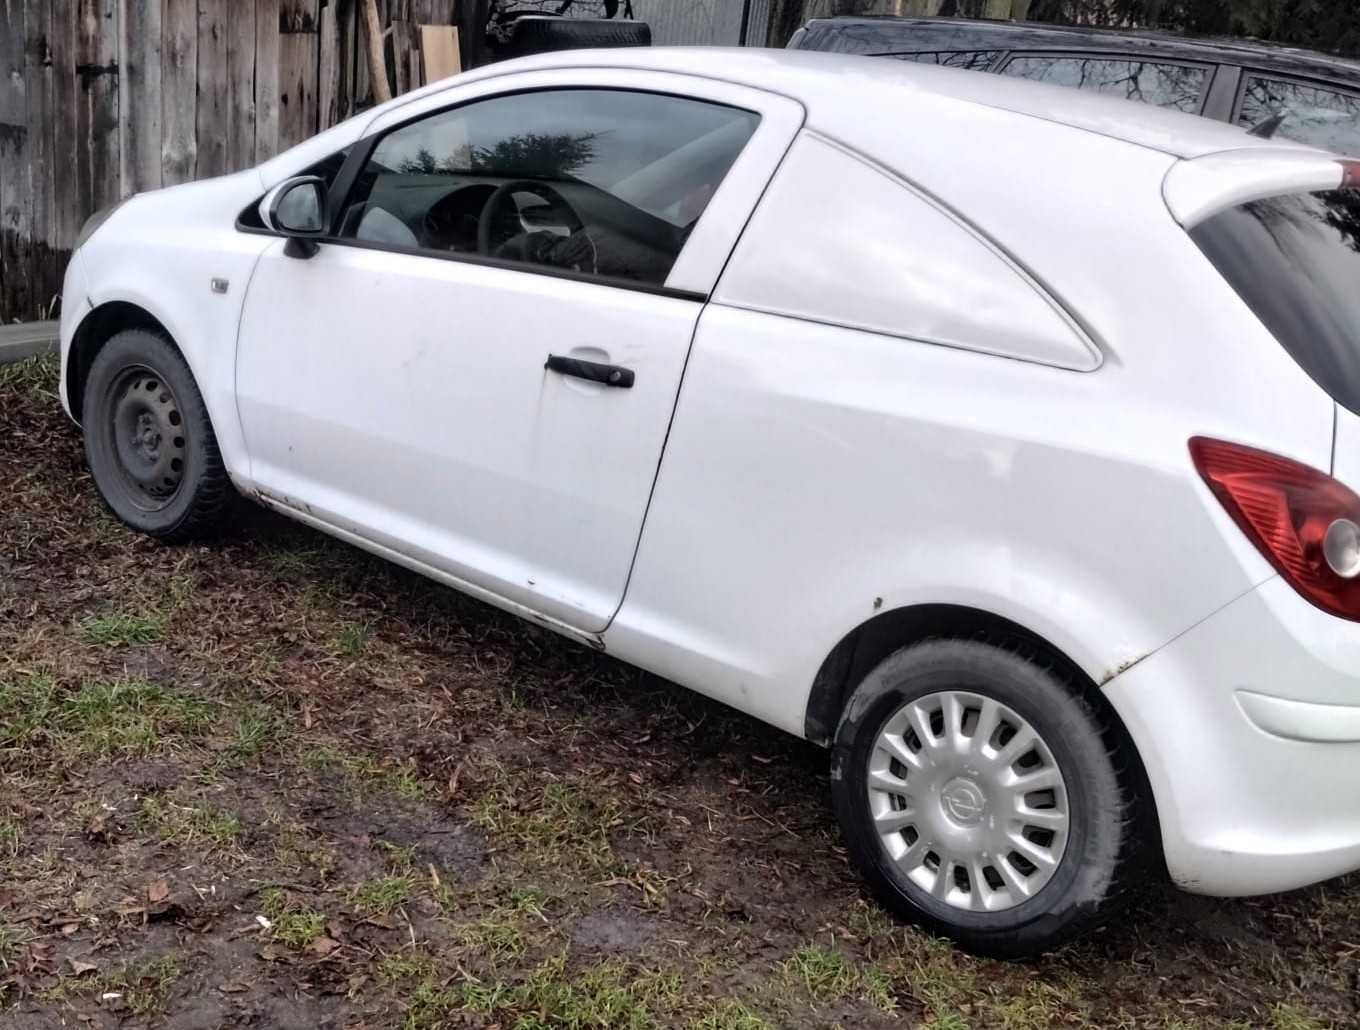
<point x="972" y="60"/>
<point x="1320" y="117"/>
<point x="1177" y="86"/>
<point x="603" y="182"/>
<point x="1295" y="261"/>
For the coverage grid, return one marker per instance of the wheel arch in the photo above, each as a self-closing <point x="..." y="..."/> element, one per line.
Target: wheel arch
<point x="873" y="640"/>
<point x="96" y="329"/>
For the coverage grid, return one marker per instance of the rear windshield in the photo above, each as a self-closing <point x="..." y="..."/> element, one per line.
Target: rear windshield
<point x="1295" y="260"/>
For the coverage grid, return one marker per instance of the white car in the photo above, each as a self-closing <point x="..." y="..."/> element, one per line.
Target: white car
<point x="992" y="434"/>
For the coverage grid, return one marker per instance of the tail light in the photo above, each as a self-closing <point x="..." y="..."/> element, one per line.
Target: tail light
<point x="1303" y="521"/>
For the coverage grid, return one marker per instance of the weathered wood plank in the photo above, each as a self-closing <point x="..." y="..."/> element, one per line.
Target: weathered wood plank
<point x="404" y="44"/>
<point x="266" y="79"/>
<point x="240" y="137"/>
<point x="101" y="83"/>
<point x="335" y="86"/>
<point x="16" y="210"/>
<point x="433" y="12"/>
<point x="44" y="265"/>
<point x="179" y="68"/>
<point x="298" y="56"/>
<point x="212" y="117"/>
<point x="66" y="89"/>
<point x="139" y="81"/>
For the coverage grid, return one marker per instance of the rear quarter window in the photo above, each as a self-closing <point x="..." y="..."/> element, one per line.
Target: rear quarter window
<point x="1295" y="261"/>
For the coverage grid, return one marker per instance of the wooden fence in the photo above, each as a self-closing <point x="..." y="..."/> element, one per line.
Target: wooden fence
<point x="103" y="98"/>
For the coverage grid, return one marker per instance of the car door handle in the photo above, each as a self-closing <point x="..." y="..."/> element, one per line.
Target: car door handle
<point x="594" y="371"/>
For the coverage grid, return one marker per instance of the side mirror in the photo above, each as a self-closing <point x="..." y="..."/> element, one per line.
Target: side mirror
<point x="296" y="208"/>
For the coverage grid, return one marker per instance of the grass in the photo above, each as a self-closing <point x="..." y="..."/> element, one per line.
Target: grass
<point x="293" y="925"/>
<point x="382" y="895"/>
<point x="499" y="937"/>
<point x="103" y="718"/>
<point x="608" y="996"/>
<point x="33" y="376"/>
<point x="10" y="837"/>
<point x="144" y="986"/>
<point x="352" y="638"/>
<point x="11" y="938"/>
<point x="561" y="825"/>
<point x="367" y="772"/>
<point x="259" y="727"/>
<point x="122" y="628"/>
<point x="405" y="966"/>
<point x="1285" y="1016"/>
<point x="729" y="1015"/>
<point x="180" y="824"/>
<point x="826" y="975"/>
<point x="139" y="626"/>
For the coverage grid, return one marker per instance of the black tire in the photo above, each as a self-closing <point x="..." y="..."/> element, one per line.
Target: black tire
<point x="149" y="442"/>
<point x="535" y="34"/>
<point x="1104" y="842"/>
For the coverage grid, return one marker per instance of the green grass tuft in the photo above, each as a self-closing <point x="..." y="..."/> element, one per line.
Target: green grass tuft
<point x="382" y="895"/>
<point x="104" y="718"/>
<point x="294" y="925"/>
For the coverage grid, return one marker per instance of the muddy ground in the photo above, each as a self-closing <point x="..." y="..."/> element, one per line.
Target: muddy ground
<point x="276" y="783"/>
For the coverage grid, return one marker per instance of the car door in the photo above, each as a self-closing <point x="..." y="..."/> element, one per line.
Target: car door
<point x="475" y="374"/>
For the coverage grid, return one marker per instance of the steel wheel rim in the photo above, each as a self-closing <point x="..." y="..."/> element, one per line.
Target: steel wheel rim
<point x="967" y="801"/>
<point x="148" y="435"/>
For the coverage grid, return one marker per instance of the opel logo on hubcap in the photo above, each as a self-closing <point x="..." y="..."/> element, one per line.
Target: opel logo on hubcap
<point x="964" y="802"/>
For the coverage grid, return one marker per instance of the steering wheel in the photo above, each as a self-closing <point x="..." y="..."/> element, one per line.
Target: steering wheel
<point x="491" y="211"/>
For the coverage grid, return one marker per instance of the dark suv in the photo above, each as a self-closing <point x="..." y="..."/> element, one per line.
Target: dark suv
<point x="1298" y="94"/>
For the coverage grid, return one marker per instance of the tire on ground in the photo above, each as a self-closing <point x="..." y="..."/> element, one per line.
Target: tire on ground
<point x="1104" y="848"/>
<point x="201" y="502"/>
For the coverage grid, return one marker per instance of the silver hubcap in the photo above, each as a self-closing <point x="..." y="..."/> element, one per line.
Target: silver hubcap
<point x="968" y="801"/>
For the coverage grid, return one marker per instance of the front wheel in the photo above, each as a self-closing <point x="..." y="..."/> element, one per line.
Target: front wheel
<point x="981" y="797"/>
<point x="149" y="442"/>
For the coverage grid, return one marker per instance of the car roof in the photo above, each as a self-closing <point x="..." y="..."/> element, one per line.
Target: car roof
<point x="836" y="89"/>
<point x="889" y="35"/>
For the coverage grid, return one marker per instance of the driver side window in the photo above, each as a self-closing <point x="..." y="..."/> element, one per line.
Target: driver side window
<point x="606" y="183"/>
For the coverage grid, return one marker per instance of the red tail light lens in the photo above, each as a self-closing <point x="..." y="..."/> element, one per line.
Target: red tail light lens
<point x="1300" y="519"/>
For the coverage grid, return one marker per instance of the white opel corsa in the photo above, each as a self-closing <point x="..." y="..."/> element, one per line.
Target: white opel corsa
<point x="993" y="434"/>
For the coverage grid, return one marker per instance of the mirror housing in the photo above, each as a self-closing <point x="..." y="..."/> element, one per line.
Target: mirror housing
<point x="296" y="208"/>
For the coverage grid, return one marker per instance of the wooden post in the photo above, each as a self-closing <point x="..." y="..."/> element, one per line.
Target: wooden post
<point x="373" y="42"/>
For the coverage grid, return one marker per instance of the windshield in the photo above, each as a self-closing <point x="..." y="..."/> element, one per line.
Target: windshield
<point x="1295" y="260"/>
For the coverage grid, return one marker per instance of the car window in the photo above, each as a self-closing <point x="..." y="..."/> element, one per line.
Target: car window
<point x="1295" y="260"/>
<point x="602" y="182"/>
<point x="1177" y="86"/>
<point x="1321" y="117"/>
<point x="972" y="60"/>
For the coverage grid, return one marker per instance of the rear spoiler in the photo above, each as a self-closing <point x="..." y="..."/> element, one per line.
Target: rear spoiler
<point x="1200" y="188"/>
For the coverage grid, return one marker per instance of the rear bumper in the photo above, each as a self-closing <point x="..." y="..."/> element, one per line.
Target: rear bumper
<point x="1249" y="726"/>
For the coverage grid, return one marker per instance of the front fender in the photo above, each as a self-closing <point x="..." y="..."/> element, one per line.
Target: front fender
<point x="169" y="253"/>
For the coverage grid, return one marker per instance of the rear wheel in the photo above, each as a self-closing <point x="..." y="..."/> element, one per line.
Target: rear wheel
<point x="149" y="442"/>
<point x="981" y="797"/>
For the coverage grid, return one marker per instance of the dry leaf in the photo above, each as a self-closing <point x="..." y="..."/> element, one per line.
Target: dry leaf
<point x="158" y="892"/>
<point x="324" y="945"/>
<point x="81" y="968"/>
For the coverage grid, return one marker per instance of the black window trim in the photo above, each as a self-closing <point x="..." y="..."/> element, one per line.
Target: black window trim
<point x="1208" y="67"/>
<point x="362" y="149"/>
<point x="1252" y="71"/>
